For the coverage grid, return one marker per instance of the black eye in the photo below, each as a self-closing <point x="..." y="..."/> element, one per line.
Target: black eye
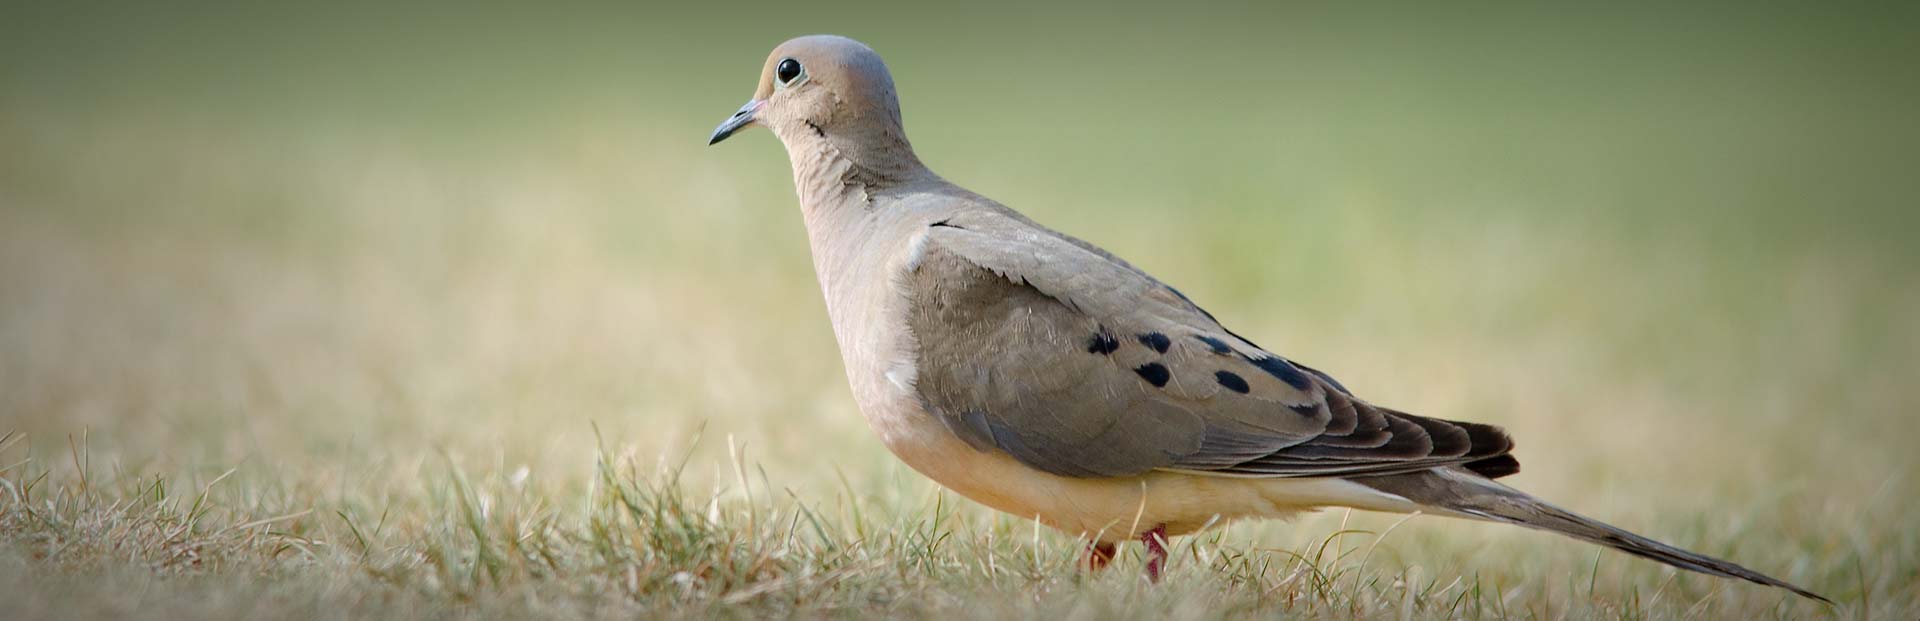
<point x="788" y="71"/>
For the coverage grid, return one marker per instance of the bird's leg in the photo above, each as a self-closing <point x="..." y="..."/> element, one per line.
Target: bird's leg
<point x="1098" y="555"/>
<point x="1156" y="542"/>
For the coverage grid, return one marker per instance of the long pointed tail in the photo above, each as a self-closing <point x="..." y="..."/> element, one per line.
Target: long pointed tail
<point x="1465" y="494"/>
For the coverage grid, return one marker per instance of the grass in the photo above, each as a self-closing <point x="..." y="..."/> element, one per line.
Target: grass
<point x="283" y="334"/>
<point x="635" y="540"/>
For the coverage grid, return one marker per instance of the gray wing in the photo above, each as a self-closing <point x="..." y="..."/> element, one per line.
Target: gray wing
<point x="1078" y="364"/>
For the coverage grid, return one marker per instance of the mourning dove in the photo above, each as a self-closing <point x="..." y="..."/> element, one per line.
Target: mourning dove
<point x="1044" y="377"/>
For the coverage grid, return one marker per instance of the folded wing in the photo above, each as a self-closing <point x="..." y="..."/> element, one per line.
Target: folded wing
<point x="1076" y="363"/>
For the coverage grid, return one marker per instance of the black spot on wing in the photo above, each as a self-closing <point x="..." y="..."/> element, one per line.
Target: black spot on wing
<point x="1159" y="342"/>
<point x="1155" y="373"/>
<point x="1280" y="368"/>
<point x="1232" y="382"/>
<point x="1215" y="345"/>
<point x="1308" y="410"/>
<point x="1102" y="343"/>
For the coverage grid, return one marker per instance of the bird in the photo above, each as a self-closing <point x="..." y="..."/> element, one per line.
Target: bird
<point x="1042" y="376"/>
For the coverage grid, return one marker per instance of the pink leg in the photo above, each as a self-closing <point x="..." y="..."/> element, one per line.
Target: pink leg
<point x="1098" y="555"/>
<point x="1156" y="541"/>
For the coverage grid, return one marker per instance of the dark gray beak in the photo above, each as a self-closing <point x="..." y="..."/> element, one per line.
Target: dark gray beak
<point x="734" y="123"/>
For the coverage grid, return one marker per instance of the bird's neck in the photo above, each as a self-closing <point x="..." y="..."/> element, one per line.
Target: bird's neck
<point x="846" y="170"/>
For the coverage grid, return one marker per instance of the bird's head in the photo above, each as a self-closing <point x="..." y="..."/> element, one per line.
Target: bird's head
<point x="818" y="86"/>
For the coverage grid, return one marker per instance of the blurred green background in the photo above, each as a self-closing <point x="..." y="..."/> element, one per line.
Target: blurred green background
<point x="1670" y="247"/>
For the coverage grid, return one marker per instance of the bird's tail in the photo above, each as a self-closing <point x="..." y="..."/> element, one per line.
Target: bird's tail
<point x="1461" y="493"/>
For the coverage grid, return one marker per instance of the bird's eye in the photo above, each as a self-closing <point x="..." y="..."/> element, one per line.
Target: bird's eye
<point x="789" y="72"/>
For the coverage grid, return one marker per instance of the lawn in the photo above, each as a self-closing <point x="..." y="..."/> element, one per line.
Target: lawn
<point x="370" y="312"/>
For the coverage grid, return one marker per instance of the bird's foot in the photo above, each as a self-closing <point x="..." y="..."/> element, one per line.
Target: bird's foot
<point x="1098" y="555"/>
<point x="1156" y="542"/>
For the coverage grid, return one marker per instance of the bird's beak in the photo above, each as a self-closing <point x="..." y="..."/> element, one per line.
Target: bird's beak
<point x="733" y="123"/>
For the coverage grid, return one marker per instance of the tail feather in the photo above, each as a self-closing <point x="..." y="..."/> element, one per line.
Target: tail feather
<point x="1464" y="494"/>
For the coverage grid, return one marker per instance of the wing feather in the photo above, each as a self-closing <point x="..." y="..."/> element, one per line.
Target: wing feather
<point x="1076" y="363"/>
